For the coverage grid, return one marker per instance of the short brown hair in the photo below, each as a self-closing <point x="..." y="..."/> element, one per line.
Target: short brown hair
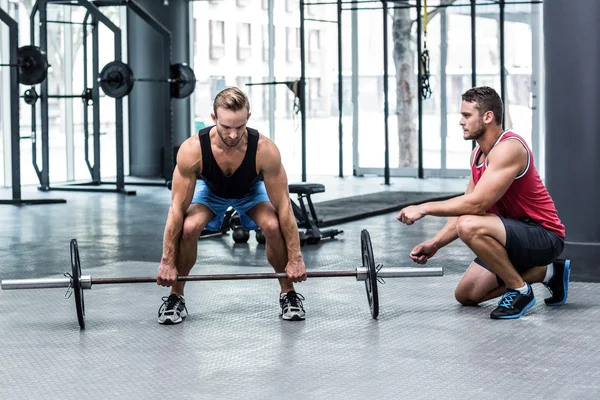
<point x="485" y="99"/>
<point x="231" y="99"/>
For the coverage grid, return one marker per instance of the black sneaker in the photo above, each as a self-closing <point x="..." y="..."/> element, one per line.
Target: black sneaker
<point x="558" y="285"/>
<point x="513" y="304"/>
<point x="291" y="306"/>
<point x="172" y="311"/>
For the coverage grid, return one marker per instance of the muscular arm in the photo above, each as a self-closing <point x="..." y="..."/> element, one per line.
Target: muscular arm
<point x="276" y="183"/>
<point x="189" y="158"/>
<point x="508" y="159"/>
<point x="448" y="233"/>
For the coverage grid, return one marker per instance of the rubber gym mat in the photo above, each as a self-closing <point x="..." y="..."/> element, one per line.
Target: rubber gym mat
<point x="368" y="205"/>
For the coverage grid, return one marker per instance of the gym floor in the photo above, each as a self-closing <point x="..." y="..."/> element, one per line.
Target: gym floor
<point x="233" y="344"/>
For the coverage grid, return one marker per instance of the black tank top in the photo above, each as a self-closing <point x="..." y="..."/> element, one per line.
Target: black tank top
<point x="241" y="181"/>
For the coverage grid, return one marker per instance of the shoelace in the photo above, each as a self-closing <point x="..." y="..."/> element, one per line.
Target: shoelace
<point x="507" y="299"/>
<point x="171" y="302"/>
<point x="294" y="299"/>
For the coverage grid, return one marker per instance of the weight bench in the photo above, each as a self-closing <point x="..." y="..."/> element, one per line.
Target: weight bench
<point x="306" y="220"/>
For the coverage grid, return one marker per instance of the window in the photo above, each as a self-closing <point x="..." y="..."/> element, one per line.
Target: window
<point x="241" y="82"/>
<point x="314" y="96"/>
<point x="244" y="41"/>
<point x="265" y="42"/>
<point x="314" y="45"/>
<point x="291" y="5"/>
<point x="242" y="3"/>
<point x="293" y="44"/>
<point x="217" y="39"/>
<point x="265" y="4"/>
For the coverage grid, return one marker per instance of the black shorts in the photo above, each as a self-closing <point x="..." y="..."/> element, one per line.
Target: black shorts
<point x="528" y="245"/>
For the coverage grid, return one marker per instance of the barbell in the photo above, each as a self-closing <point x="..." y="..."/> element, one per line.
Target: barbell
<point x="33" y="65"/>
<point x="117" y="79"/>
<point x="367" y="272"/>
<point x="31" y="96"/>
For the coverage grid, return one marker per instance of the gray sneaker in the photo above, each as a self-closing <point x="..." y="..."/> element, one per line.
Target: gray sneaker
<point x="172" y="311"/>
<point x="291" y="306"/>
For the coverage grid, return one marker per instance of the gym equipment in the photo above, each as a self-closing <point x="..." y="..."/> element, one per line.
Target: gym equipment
<point x="32" y="64"/>
<point x="313" y="234"/>
<point x="368" y="272"/>
<point x="117" y="79"/>
<point x="31" y="96"/>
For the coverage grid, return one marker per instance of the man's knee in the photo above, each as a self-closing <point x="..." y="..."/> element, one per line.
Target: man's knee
<point x="468" y="227"/>
<point x="271" y="229"/>
<point x="466" y="296"/>
<point x="192" y="228"/>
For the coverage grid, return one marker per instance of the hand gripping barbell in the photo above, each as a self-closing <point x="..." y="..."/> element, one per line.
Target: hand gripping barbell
<point x="368" y="272"/>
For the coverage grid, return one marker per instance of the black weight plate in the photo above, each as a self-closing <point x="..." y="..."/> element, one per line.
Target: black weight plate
<point x="30" y="96"/>
<point x="78" y="291"/>
<point x="33" y="66"/>
<point x="116" y="79"/>
<point x="371" y="282"/>
<point x="183" y="81"/>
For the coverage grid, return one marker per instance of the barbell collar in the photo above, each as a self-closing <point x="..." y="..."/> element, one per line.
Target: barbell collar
<point x="86" y="281"/>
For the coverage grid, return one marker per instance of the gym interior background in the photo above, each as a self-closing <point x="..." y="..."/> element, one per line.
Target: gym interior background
<point x="324" y="82"/>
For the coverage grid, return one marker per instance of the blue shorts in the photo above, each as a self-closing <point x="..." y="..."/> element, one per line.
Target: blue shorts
<point x="218" y="205"/>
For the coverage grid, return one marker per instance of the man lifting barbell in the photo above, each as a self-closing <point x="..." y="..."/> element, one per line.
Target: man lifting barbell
<point x="506" y="217"/>
<point x="239" y="168"/>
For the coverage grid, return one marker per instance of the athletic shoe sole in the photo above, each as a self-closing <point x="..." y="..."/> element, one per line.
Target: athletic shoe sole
<point x="170" y="321"/>
<point x="294" y="317"/>
<point x="527" y="307"/>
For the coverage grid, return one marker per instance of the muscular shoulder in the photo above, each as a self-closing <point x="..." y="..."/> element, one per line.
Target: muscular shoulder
<point x="510" y="156"/>
<point x="267" y="154"/>
<point x="189" y="156"/>
<point x="509" y="152"/>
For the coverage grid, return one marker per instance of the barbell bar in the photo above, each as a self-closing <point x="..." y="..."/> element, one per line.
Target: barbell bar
<point x="117" y="80"/>
<point x="31" y="96"/>
<point x="368" y="272"/>
<point x="33" y="65"/>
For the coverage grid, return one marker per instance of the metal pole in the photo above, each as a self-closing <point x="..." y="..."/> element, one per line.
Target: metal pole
<point x="86" y="118"/>
<point x="359" y="273"/>
<point x="386" y="111"/>
<point x="355" y="105"/>
<point x="473" y="44"/>
<point x="15" y="139"/>
<point x="96" y="175"/>
<point x="45" y="183"/>
<point x="68" y="103"/>
<point x="303" y="89"/>
<point x="443" y="89"/>
<point x="420" y="173"/>
<point x="340" y="90"/>
<point x="271" y="61"/>
<point x="473" y="51"/>
<point x="502" y="76"/>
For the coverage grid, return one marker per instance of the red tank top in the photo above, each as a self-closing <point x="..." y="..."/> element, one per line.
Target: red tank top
<point x="527" y="197"/>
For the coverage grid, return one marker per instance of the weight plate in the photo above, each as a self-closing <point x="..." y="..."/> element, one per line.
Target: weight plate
<point x="76" y="284"/>
<point x="371" y="281"/>
<point x="33" y="66"/>
<point x="30" y="96"/>
<point x="183" y="81"/>
<point x="116" y="79"/>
